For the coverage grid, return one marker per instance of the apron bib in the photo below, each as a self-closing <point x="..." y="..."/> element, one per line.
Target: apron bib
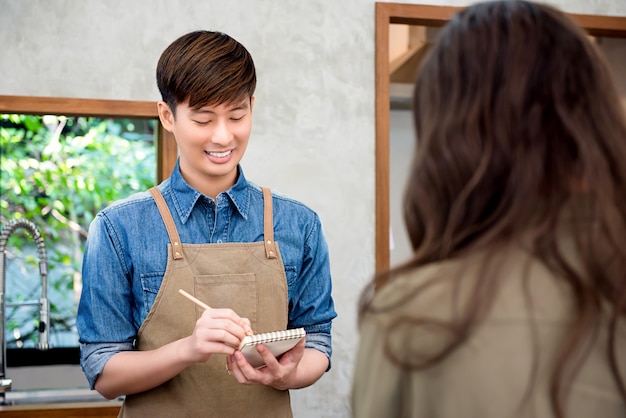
<point x="246" y="277"/>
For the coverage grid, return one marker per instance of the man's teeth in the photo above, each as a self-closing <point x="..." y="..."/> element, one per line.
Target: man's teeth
<point x="219" y="154"/>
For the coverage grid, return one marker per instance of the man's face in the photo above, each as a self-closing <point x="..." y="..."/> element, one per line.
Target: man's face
<point x="211" y="142"/>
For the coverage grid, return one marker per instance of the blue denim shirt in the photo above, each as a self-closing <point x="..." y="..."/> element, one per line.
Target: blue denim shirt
<point x="127" y="249"/>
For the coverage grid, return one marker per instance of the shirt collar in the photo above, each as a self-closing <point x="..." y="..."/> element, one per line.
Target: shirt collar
<point x="185" y="197"/>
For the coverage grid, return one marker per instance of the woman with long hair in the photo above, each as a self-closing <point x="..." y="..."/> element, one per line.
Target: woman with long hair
<point x="514" y="302"/>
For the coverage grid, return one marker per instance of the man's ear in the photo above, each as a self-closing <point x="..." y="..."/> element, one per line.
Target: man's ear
<point x="251" y="103"/>
<point x="166" y="116"/>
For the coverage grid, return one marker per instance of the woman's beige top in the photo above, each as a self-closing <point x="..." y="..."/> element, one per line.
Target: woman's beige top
<point x="492" y="373"/>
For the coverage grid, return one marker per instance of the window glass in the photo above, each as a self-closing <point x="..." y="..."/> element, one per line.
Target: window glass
<point x="58" y="172"/>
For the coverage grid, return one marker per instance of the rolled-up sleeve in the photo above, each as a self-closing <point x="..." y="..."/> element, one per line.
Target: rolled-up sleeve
<point x="93" y="357"/>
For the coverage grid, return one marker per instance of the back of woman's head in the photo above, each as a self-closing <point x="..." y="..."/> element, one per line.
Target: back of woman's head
<point x="515" y="112"/>
<point x="518" y="124"/>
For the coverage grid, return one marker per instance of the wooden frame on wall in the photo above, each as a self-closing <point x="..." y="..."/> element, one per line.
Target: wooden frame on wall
<point x="167" y="151"/>
<point x="435" y="16"/>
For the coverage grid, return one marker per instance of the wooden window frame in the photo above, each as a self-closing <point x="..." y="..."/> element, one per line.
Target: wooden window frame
<point x="167" y="151"/>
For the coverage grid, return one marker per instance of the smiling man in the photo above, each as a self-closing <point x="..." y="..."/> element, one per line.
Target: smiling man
<point x="258" y="259"/>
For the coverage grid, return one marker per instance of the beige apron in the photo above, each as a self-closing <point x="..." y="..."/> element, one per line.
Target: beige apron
<point x="246" y="277"/>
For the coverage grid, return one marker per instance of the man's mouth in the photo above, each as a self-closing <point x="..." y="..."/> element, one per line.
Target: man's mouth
<point x="219" y="154"/>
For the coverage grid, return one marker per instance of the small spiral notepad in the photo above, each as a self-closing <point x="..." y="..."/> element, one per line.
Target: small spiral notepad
<point x="277" y="342"/>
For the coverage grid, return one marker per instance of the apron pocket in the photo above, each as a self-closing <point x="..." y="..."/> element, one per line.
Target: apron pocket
<point x="235" y="291"/>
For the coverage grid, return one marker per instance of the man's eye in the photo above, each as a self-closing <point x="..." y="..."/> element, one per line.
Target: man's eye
<point x="202" y="122"/>
<point x="235" y="119"/>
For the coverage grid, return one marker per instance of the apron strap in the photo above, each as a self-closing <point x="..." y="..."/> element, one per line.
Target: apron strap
<point x="169" y="222"/>
<point x="268" y="224"/>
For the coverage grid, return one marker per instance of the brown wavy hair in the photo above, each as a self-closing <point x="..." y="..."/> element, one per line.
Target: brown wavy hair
<point x="206" y="68"/>
<point x="516" y="114"/>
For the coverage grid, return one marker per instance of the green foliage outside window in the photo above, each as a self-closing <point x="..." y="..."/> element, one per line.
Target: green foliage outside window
<point x="58" y="172"/>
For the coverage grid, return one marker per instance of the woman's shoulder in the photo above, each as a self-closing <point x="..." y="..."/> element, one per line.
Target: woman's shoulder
<point x="509" y="274"/>
<point x="423" y="287"/>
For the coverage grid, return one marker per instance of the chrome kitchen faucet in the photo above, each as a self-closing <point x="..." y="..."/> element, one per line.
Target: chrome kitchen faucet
<point x="43" y="303"/>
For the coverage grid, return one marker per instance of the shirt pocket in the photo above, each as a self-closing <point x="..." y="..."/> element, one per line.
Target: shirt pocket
<point x="150" y="284"/>
<point x="234" y="291"/>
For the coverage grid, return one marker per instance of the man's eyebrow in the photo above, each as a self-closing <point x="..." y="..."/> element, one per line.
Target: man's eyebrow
<point x="241" y="106"/>
<point x="202" y="111"/>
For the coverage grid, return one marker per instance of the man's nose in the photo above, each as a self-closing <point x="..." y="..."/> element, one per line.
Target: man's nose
<point x="221" y="134"/>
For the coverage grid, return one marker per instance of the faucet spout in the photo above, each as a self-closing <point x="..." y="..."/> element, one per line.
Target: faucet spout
<point x="44" y="303"/>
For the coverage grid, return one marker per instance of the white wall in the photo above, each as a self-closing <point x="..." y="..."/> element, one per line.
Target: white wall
<point x="313" y="136"/>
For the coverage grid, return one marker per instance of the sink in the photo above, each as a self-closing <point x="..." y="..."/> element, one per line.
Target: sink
<point x="49" y="396"/>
